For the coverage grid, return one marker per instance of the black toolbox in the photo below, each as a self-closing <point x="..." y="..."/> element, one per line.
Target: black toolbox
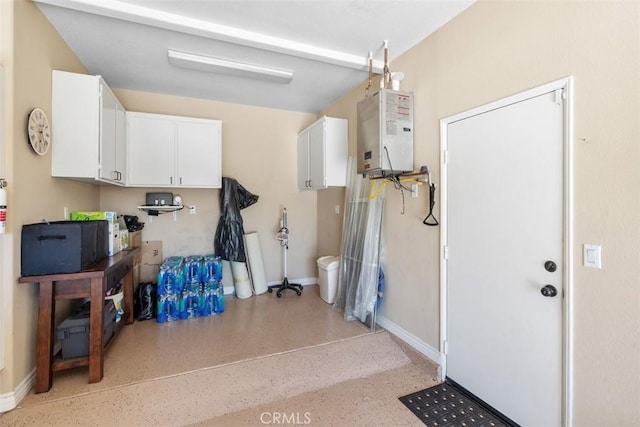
<point x="62" y="246"/>
<point x="73" y="333"/>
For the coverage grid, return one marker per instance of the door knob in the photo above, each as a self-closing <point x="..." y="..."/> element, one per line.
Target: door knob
<point x="549" y="291"/>
<point x="550" y="266"/>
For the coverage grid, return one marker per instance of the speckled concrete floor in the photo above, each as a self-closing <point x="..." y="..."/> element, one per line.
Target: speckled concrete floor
<point x="263" y="361"/>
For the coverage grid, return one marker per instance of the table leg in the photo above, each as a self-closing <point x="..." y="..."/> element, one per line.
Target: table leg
<point x="96" y="331"/>
<point x="44" y="345"/>
<point x="128" y="297"/>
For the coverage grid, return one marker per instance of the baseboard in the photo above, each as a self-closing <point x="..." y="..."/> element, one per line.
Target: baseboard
<point x="305" y="281"/>
<point x="419" y="345"/>
<point x="9" y="401"/>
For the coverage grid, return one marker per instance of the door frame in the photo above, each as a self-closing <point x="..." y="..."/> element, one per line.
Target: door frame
<point x="563" y="87"/>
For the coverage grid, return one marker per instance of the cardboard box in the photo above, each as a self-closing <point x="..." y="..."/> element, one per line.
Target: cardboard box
<point x="88" y="216"/>
<point x="124" y="239"/>
<point x="114" y="239"/>
<point x="135" y="239"/>
<point x="151" y="261"/>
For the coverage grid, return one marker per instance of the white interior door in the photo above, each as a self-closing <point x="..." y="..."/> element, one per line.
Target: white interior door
<point x="504" y="204"/>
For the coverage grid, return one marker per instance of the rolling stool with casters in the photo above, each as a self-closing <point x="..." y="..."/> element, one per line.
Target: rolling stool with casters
<point x="283" y="238"/>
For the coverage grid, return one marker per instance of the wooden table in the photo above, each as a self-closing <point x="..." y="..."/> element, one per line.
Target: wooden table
<point x="90" y="283"/>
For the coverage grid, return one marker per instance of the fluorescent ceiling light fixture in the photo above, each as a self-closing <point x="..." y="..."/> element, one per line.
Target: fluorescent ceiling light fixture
<point x="210" y="64"/>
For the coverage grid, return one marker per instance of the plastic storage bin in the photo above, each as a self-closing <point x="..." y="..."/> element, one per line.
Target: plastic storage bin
<point x="73" y="333"/>
<point x="328" y="277"/>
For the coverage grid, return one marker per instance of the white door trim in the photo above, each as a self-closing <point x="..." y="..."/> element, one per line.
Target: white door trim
<point x="563" y="86"/>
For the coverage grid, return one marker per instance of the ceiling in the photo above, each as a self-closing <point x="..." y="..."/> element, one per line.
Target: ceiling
<point x="322" y="45"/>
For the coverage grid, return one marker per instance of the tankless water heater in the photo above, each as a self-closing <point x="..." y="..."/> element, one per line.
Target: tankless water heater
<point x="385" y="133"/>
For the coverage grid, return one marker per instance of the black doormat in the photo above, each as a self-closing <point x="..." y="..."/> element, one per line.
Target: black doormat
<point x="448" y="404"/>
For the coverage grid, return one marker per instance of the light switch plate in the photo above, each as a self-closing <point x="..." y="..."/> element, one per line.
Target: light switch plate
<point x="592" y="256"/>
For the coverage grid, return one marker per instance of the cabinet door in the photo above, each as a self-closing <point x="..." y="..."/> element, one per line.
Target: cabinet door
<point x="75" y="145"/>
<point x="198" y="146"/>
<point x="121" y="144"/>
<point x="151" y="141"/>
<point x="107" y="140"/>
<point x="303" y="160"/>
<point x="317" y="176"/>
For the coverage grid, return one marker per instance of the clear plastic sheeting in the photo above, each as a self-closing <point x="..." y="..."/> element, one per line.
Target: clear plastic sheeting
<point x="360" y="251"/>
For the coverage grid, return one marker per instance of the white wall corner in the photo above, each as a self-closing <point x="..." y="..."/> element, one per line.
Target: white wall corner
<point x="415" y="342"/>
<point x="9" y="401"/>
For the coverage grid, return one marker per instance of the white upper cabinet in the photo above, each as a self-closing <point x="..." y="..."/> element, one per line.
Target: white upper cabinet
<point x="173" y="151"/>
<point x="88" y="130"/>
<point x="322" y="154"/>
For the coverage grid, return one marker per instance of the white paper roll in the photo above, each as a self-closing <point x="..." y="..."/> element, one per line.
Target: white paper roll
<point x="227" y="277"/>
<point x="255" y="262"/>
<point x="241" y="279"/>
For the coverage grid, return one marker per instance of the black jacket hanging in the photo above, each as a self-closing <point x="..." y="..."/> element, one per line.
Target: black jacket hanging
<point x="229" y="241"/>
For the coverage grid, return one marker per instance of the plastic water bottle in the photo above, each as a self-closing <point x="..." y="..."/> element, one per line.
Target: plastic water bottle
<point x="212" y="271"/>
<point x="193" y="269"/>
<point x="204" y="297"/>
<point x="162" y="313"/>
<point x="219" y="299"/>
<point x="191" y="300"/>
<point x="171" y="306"/>
<point x="167" y="308"/>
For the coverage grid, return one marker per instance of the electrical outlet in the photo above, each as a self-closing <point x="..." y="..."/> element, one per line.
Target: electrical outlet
<point x="414" y="190"/>
<point x="192" y="209"/>
<point x="337" y="209"/>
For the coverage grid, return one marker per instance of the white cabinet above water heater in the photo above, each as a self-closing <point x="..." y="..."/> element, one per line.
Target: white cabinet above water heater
<point x="322" y="154"/>
<point x="385" y="133"/>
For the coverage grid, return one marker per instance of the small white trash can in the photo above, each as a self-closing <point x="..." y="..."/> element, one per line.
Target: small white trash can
<point x="328" y="277"/>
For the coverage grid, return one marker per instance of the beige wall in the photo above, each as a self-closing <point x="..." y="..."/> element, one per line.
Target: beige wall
<point x="259" y="150"/>
<point x="6" y="171"/>
<point x="495" y="49"/>
<point x="329" y="223"/>
<point x="492" y="50"/>
<point x="33" y="194"/>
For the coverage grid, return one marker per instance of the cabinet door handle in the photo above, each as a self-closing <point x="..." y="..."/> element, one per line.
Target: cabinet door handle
<point x="180" y="180"/>
<point x="170" y="180"/>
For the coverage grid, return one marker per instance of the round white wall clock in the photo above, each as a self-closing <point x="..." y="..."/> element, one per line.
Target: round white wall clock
<point x="39" y="132"/>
